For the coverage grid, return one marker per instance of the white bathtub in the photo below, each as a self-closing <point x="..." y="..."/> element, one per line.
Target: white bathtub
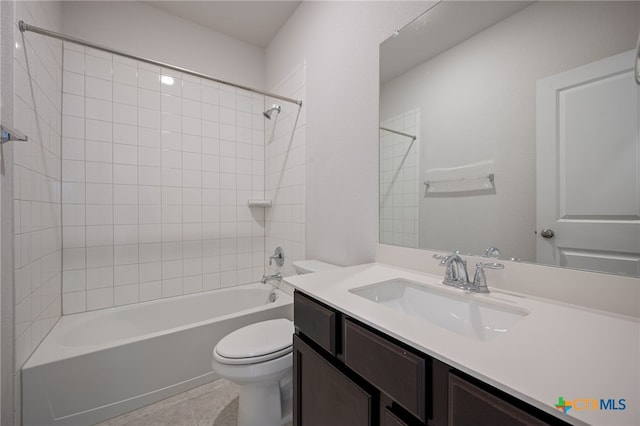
<point x="97" y="365"/>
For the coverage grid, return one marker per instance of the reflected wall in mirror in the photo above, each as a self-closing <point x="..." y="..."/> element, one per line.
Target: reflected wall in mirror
<point x="526" y="118"/>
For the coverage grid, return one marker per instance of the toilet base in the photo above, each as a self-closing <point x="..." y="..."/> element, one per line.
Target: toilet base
<point x="265" y="404"/>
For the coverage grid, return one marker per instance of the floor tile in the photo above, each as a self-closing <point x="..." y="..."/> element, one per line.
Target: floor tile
<point x="198" y="406"/>
<point x="213" y="404"/>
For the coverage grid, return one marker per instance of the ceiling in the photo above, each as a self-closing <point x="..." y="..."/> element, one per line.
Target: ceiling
<point x="255" y="22"/>
<point x="439" y="29"/>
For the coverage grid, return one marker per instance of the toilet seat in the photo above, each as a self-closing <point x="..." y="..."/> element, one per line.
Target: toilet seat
<point x="255" y="343"/>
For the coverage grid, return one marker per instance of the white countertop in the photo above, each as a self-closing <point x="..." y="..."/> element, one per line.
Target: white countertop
<point x="558" y="350"/>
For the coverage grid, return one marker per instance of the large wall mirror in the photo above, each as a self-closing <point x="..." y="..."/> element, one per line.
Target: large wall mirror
<point x="514" y="125"/>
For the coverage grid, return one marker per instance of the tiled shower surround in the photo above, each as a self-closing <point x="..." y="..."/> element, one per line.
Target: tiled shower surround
<point x="37" y="71"/>
<point x="400" y="180"/>
<point x="157" y="168"/>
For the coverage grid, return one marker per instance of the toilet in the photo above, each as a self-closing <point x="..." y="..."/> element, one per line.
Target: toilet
<point x="309" y="266"/>
<point x="259" y="358"/>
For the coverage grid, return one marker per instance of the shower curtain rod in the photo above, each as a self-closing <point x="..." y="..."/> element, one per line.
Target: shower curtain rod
<point x="399" y="133"/>
<point x="26" y="27"/>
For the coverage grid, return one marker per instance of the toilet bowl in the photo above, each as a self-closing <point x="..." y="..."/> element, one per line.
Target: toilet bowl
<point x="259" y="358"/>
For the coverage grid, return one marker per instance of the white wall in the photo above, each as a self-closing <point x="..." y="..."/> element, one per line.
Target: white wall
<point x="476" y="106"/>
<point x="339" y="42"/>
<point x="138" y="28"/>
<point x="37" y="107"/>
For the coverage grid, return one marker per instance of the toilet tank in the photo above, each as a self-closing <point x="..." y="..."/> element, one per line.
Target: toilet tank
<point x="309" y="266"/>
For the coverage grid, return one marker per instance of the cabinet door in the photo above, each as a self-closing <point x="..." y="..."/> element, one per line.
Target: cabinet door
<point x="470" y="405"/>
<point x="390" y="419"/>
<point x="324" y="396"/>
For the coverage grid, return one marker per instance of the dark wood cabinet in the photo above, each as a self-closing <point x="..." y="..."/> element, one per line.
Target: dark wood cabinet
<point x="347" y="373"/>
<point x="396" y="371"/>
<point x="323" y="395"/>
<point x="316" y="321"/>
<point x="390" y="419"/>
<point x="471" y="405"/>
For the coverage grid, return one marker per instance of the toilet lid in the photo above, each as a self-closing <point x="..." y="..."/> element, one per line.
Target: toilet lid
<point x="309" y="266"/>
<point x="257" y="340"/>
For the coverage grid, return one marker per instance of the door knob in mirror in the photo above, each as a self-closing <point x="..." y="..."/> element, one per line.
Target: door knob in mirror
<point x="547" y="233"/>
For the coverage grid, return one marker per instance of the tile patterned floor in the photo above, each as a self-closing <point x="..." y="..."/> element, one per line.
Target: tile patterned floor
<point x="213" y="404"/>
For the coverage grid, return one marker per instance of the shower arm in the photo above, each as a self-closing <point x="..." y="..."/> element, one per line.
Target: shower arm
<point x="23" y="26"/>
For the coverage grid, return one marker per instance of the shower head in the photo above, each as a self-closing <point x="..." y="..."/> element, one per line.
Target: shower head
<point x="268" y="112"/>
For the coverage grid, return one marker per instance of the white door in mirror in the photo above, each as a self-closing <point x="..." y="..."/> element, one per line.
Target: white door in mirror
<point x="589" y="117"/>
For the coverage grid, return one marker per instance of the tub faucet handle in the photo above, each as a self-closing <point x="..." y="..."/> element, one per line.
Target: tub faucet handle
<point x="278" y="256"/>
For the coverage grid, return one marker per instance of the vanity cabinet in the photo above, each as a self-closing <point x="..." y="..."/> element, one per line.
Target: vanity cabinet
<point x="471" y="405"/>
<point x="347" y="373"/>
<point x="323" y="394"/>
<point x="390" y="419"/>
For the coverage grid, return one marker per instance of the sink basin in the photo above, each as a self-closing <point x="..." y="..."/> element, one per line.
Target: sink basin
<point x="462" y="314"/>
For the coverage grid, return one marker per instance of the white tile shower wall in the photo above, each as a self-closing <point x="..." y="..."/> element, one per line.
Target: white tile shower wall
<point x="399" y="180"/>
<point x="37" y="222"/>
<point x="157" y="170"/>
<point x="285" y="173"/>
<point x="37" y="100"/>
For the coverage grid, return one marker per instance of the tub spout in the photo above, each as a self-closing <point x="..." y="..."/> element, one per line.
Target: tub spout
<point x="266" y="278"/>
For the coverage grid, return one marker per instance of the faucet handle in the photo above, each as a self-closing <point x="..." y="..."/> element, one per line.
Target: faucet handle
<point x="446" y="256"/>
<point x="492" y="265"/>
<point x="480" y="279"/>
<point x="442" y="258"/>
<point x="278" y="256"/>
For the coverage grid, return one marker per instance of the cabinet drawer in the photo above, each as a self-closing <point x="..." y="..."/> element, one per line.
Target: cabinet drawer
<point x="397" y="372"/>
<point x="468" y="404"/>
<point x="315" y="321"/>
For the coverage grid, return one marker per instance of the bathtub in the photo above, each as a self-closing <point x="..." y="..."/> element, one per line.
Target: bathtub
<point x="96" y="365"/>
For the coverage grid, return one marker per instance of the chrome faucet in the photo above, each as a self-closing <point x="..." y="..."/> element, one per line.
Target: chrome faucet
<point x="492" y="251"/>
<point x="455" y="273"/>
<point x="266" y="278"/>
